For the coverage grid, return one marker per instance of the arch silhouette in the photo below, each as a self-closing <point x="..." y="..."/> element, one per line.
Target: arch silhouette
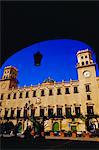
<point x="55" y="127"/>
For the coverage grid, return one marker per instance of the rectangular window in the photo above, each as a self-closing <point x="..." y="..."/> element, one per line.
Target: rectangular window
<point x="2" y="96"/>
<point x="68" y="112"/>
<point x="75" y="89"/>
<point x="9" y="95"/>
<point x="90" y="110"/>
<point x="87" y="88"/>
<point x="34" y="93"/>
<point x="59" y="112"/>
<point x="14" y="96"/>
<point x="88" y="97"/>
<point x="25" y="113"/>
<point x="18" y="113"/>
<point x="6" y="113"/>
<point x="42" y="93"/>
<point x="50" y="92"/>
<point x="32" y="112"/>
<point x="77" y="111"/>
<point x="50" y="112"/>
<point x="12" y="113"/>
<point x="27" y="94"/>
<point x="41" y="112"/>
<point x="20" y="95"/>
<point x="67" y="91"/>
<point x="59" y="91"/>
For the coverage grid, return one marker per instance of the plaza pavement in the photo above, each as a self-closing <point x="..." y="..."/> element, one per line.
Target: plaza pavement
<point x="96" y="139"/>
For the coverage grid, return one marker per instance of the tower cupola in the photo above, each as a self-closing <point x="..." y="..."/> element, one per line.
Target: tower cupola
<point x="84" y="58"/>
<point x="10" y="72"/>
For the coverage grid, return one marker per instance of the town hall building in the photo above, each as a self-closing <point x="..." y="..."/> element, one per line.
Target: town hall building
<point x="60" y="102"/>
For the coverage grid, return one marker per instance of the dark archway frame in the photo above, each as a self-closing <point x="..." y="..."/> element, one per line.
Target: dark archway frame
<point x="23" y="25"/>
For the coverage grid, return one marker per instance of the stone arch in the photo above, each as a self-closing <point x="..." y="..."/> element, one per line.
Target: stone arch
<point x="55" y="126"/>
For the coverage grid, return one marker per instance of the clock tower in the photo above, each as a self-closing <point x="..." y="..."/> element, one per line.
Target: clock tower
<point x="86" y="69"/>
<point x="9" y="78"/>
<point x="85" y="66"/>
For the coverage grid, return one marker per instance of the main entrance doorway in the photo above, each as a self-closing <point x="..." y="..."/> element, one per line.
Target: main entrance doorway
<point x="56" y="126"/>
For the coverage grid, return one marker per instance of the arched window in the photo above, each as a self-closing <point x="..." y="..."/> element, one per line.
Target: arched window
<point x="20" y="95"/>
<point x="82" y="63"/>
<point x="42" y="93"/>
<point x="58" y="91"/>
<point x="34" y="93"/>
<point x="14" y="96"/>
<point x="86" y="62"/>
<point x="27" y="94"/>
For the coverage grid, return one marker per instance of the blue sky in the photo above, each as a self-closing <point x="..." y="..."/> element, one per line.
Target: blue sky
<point x="59" y="61"/>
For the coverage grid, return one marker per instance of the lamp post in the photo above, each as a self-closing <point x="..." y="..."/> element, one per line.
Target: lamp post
<point x="37" y="58"/>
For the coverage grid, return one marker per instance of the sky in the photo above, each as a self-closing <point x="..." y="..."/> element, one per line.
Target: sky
<point x="58" y="62"/>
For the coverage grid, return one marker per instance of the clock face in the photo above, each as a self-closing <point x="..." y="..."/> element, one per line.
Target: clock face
<point x="87" y="74"/>
<point x="3" y="85"/>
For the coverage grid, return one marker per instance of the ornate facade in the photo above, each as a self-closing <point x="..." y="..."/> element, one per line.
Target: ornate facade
<point x="58" y="101"/>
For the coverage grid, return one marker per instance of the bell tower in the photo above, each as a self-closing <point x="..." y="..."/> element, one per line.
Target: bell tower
<point x="85" y="66"/>
<point x="9" y="78"/>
